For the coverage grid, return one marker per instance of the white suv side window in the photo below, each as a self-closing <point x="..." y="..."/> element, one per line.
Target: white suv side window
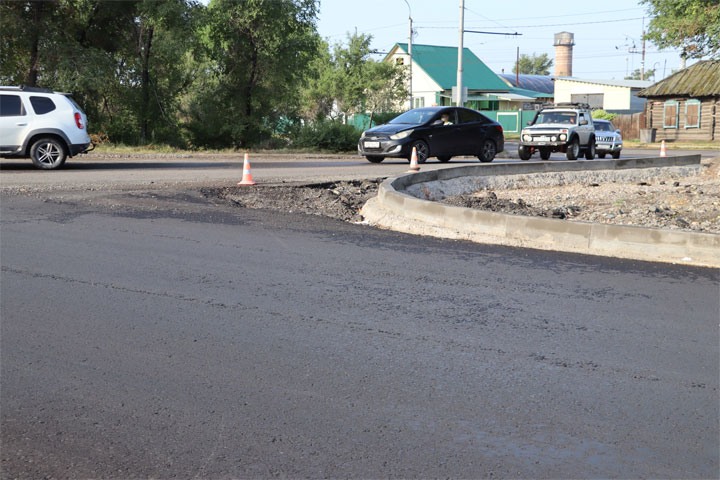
<point x="11" y="106"/>
<point x="42" y="105"/>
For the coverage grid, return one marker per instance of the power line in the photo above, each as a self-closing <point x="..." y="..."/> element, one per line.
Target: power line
<point x="548" y="25"/>
<point x="568" y="15"/>
<point x="496" y="20"/>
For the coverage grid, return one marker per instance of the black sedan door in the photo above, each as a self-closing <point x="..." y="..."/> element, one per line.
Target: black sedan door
<point x="444" y="137"/>
<point x="473" y="130"/>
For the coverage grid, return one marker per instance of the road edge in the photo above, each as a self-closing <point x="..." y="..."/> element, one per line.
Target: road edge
<point x="393" y="208"/>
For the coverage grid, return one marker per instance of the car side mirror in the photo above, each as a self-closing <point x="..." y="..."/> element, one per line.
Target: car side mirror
<point x="617" y="131"/>
<point x="583" y="122"/>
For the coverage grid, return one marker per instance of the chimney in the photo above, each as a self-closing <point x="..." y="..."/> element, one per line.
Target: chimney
<point x="563" y="54"/>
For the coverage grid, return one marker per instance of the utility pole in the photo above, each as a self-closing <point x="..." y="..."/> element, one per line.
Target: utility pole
<point x="460" y="55"/>
<point x="410" y="35"/>
<point x="460" y="96"/>
<point x="642" y="61"/>
<point x="517" y="68"/>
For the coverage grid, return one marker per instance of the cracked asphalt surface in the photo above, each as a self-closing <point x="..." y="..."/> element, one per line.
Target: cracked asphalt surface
<point x="157" y="334"/>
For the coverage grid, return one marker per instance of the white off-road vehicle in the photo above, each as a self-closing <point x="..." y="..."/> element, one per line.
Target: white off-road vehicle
<point x="44" y="125"/>
<point x="562" y="127"/>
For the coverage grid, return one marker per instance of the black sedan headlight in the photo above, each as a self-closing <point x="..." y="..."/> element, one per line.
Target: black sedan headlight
<point x="401" y="135"/>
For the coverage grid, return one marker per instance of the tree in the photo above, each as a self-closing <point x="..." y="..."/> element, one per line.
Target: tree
<point x="636" y="74"/>
<point x="258" y="53"/>
<point x="352" y="82"/>
<point x="693" y="26"/>
<point x="123" y="61"/>
<point x="385" y="87"/>
<point x="534" y="64"/>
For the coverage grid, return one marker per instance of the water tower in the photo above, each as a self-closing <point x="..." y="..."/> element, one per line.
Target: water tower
<point x="564" y="42"/>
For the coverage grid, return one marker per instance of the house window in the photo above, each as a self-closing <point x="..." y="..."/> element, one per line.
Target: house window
<point x="418" y="102"/>
<point x="692" y="114"/>
<point x="670" y="115"/>
<point x="399" y="61"/>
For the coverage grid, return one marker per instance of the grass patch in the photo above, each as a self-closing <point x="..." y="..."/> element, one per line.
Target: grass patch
<point x="119" y="149"/>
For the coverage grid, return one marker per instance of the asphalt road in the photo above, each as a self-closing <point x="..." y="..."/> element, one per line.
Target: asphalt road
<point x="94" y="171"/>
<point x="152" y="335"/>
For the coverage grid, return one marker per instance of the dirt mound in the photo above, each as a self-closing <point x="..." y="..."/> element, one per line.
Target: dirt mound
<point x="490" y="201"/>
<point x="341" y="200"/>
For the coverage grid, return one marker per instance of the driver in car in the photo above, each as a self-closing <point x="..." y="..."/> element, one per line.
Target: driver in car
<point x="446" y="119"/>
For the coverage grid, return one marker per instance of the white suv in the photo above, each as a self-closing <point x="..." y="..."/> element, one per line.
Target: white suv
<point x="562" y="127"/>
<point x="41" y="124"/>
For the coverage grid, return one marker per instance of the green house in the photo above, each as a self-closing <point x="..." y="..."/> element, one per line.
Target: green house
<point x="434" y="74"/>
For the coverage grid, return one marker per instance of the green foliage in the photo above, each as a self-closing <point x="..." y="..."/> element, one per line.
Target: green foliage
<point x="383" y="117"/>
<point x="603" y="115"/>
<point x="690" y="25"/>
<point x="126" y="63"/>
<point x="330" y="135"/>
<point x="234" y="73"/>
<point x="534" y="64"/>
<point x="258" y="52"/>
<point x="352" y="82"/>
<point x="636" y="74"/>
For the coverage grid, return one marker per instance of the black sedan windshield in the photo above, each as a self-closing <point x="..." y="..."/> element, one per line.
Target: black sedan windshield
<point x="414" y="117"/>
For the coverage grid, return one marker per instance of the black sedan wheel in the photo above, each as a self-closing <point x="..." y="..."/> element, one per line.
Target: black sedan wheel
<point x="487" y="151"/>
<point x="444" y="158"/>
<point x="422" y="151"/>
<point x="374" y="158"/>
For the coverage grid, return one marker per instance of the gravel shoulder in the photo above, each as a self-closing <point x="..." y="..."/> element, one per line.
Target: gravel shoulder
<point x="671" y="202"/>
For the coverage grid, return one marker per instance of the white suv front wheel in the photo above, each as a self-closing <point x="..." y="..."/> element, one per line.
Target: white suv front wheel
<point x="48" y="153"/>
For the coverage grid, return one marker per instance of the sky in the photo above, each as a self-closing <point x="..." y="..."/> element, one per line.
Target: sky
<point x="605" y="31"/>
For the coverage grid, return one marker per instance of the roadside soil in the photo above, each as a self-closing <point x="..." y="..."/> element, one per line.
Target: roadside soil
<point x="341" y="200"/>
<point x="682" y="203"/>
<point x="685" y="203"/>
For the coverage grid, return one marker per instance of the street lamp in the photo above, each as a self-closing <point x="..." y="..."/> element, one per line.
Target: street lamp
<point x="410" y="32"/>
<point x="655" y="71"/>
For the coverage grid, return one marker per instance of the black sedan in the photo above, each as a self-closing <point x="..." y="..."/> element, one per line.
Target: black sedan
<point x="442" y="132"/>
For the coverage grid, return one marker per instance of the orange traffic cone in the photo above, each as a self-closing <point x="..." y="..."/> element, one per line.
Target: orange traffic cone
<point x="663" y="152"/>
<point x="247" y="176"/>
<point x="413" y="162"/>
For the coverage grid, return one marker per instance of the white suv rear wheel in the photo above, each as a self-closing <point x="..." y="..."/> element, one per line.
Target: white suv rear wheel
<point x="48" y="153"/>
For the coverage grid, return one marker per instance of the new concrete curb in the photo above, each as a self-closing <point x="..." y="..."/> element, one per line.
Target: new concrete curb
<point x="395" y="209"/>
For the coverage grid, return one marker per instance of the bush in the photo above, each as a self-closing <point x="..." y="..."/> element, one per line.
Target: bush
<point x="383" y="117"/>
<point x="603" y="115"/>
<point x="326" y="135"/>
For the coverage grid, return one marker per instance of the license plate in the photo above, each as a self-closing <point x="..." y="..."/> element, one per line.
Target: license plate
<point x="372" y="144"/>
<point x="542" y="139"/>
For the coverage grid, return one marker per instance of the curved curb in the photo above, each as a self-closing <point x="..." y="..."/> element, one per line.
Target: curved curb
<point x="395" y="209"/>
